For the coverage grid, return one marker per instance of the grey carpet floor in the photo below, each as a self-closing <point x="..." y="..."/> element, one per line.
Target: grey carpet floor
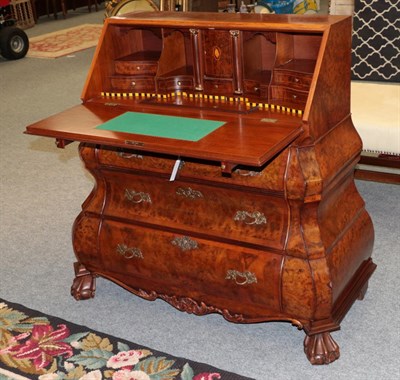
<point x="41" y="191"/>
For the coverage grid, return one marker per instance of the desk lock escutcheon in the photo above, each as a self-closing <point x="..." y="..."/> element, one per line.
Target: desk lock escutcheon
<point x="241" y="278"/>
<point x="185" y="243"/>
<point x="188" y="192"/>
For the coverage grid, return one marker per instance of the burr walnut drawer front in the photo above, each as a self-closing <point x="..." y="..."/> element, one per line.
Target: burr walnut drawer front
<point x="178" y="262"/>
<point x="217" y="211"/>
<point x="133" y="83"/>
<point x="135" y="67"/>
<point x="288" y="95"/>
<point x="134" y="159"/>
<point x="174" y="83"/>
<point x="252" y="87"/>
<point x="218" y="86"/>
<point x="292" y="79"/>
<point x="270" y="177"/>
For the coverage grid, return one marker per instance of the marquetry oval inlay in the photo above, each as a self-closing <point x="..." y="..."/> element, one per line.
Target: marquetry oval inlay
<point x="217" y="52"/>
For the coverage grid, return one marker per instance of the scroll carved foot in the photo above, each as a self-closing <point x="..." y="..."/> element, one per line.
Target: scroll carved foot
<point x="84" y="284"/>
<point x="321" y="348"/>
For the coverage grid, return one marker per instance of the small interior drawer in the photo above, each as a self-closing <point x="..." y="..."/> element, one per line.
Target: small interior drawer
<point x="132" y="83"/>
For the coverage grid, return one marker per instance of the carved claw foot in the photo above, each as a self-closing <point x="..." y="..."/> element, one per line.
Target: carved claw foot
<point x="321" y="348"/>
<point x="84" y="284"/>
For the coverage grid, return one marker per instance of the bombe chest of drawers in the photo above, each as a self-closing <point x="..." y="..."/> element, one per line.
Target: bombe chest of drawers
<point x="223" y="152"/>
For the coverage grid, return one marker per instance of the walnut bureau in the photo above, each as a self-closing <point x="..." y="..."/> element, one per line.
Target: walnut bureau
<point x="257" y="220"/>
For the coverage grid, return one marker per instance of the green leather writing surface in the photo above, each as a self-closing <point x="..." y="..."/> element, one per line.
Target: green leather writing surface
<point x="173" y="127"/>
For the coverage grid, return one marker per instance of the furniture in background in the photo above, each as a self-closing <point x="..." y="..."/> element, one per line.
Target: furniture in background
<point x="257" y="218"/>
<point x="119" y="7"/>
<point x="64" y="6"/>
<point x="376" y="114"/>
<point x="341" y="7"/>
<point x="48" y="7"/>
<point x="375" y="88"/>
<point x="23" y="12"/>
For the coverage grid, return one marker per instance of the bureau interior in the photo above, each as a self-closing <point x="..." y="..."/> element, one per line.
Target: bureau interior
<point x="204" y="67"/>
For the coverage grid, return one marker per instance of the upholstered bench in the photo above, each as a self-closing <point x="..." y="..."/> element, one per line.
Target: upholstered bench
<point x="375" y="108"/>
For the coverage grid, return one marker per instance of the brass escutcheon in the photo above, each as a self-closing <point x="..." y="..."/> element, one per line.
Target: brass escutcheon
<point x="185" y="243"/>
<point x="189" y="193"/>
<point x="129" y="253"/>
<point x="246" y="277"/>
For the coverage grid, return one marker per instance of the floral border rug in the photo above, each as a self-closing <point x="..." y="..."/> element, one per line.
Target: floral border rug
<point x="64" y="42"/>
<point x="38" y="346"/>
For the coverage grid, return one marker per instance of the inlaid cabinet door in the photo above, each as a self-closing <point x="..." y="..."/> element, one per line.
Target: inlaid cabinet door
<point x="218" y="54"/>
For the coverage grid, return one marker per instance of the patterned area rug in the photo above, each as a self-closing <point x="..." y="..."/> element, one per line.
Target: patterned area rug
<point x="64" y="42"/>
<point x="38" y="346"/>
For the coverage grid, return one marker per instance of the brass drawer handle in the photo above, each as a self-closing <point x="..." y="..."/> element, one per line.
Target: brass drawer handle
<point x="185" y="243"/>
<point x="129" y="253"/>
<point x="189" y="192"/>
<point x="129" y="155"/>
<point x="255" y="217"/>
<point x="247" y="173"/>
<point x="241" y="278"/>
<point x="137" y="196"/>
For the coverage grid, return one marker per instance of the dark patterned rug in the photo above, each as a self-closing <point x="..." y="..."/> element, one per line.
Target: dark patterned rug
<point x="38" y="346"/>
<point x="376" y="40"/>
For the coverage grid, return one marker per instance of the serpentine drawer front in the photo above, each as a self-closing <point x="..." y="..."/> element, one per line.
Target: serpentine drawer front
<point x="260" y="220"/>
<point x="269" y="177"/>
<point x="175" y="261"/>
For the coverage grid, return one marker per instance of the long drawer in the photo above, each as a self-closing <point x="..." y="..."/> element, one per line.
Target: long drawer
<point x="182" y="264"/>
<point x="219" y="212"/>
<point x="269" y="177"/>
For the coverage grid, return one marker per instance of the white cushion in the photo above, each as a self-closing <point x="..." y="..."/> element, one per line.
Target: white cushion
<point x="375" y="111"/>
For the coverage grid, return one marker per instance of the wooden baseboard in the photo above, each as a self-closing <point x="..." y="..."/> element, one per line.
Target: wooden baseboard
<point x="379" y="168"/>
<point x="385" y="160"/>
<point x="376" y="176"/>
